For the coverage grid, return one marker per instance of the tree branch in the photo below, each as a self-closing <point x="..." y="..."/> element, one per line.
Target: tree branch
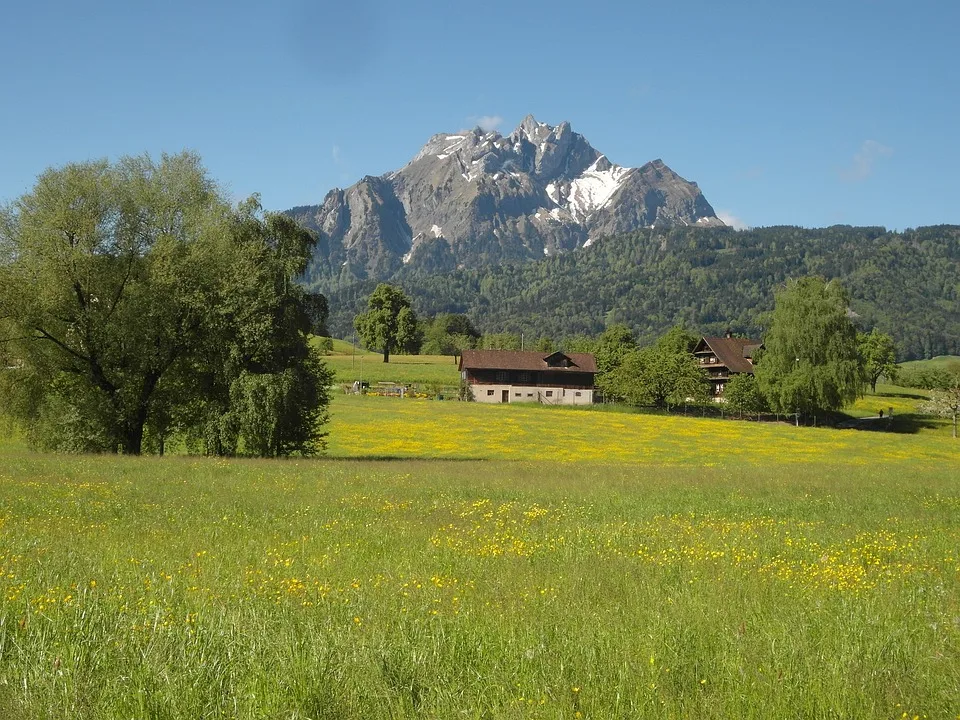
<point x="44" y="335"/>
<point x="96" y="371"/>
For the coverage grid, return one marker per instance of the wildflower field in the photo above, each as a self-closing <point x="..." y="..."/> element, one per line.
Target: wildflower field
<point x="451" y="560"/>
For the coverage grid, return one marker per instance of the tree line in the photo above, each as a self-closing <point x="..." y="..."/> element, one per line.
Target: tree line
<point x="905" y="284"/>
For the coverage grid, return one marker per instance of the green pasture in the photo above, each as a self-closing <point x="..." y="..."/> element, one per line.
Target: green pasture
<point x="419" y="428"/>
<point x="940" y="362"/>
<point x="405" y="369"/>
<point x="453" y="560"/>
<point x="349" y="588"/>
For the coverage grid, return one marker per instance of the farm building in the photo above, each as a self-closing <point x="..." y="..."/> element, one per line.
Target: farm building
<point x="724" y="357"/>
<point x="501" y="376"/>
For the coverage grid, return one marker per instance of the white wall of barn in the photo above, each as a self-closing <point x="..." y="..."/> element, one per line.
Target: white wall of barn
<point x="522" y="393"/>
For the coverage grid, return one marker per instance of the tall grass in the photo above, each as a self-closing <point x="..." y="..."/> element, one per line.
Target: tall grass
<point x="193" y="588"/>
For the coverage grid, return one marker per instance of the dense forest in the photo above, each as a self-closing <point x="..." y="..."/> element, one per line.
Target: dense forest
<point x="906" y="284"/>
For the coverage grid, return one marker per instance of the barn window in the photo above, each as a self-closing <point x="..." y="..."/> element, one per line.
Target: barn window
<point x="549" y="393"/>
<point x="578" y="393"/>
<point x="489" y="392"/>
<point x="524" y="377"/>
<point x="503" y="376"/>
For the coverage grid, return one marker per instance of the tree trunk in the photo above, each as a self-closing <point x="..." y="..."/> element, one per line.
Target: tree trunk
<point x="133" y="429"/>
<point x="132" y="442"/>
<point x="386" y="353"/>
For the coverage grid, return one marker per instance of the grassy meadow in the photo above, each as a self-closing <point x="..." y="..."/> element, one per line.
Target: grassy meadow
<point x="409" y="369"/>
<point x="458" y="560"/>
<point x="941" y="362"/>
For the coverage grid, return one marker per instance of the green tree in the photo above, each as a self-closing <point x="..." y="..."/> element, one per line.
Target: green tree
<point x="389" y="323"/>
<point x="663" y="375"/>
<point x="580" y="343"/>
<point x="499" y="341"/>
<point x="267" y="394"/>
<point x="677" y="340"/>
<point x="742" y="394"/>
<point x="811" y="360"/>
<point x="658" y="377"/>
<point x="611" y="348"/>
<point x="448" y="334"/>
<point x="945" y="402"/>
<point x="878" y="355"/>
<point x="131" y="295"/>
<point x="544" y="345"/>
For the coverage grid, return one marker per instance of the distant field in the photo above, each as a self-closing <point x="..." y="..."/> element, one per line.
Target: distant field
<point x="407" y="369"/>
<point x="902" y="400"/>
<point x="941" y="361"/>
<point x="409" y="428"/>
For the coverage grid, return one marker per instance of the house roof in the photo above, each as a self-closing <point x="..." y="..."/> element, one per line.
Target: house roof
<point x="731" y="351"/>
<point x="521" y="360"/>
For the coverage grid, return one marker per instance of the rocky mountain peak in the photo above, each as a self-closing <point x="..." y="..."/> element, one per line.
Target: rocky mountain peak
<point x="474" y="197"/>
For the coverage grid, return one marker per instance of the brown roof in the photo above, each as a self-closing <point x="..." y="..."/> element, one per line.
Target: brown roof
<point x="524" y="360"/>
<point x="731" y="351"/>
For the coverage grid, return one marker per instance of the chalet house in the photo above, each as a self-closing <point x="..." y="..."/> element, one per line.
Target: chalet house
<point x="724" y="357"/>
<point x="502" y="376"/>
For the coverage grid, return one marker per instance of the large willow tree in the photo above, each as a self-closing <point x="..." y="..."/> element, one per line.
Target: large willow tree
<point x="136" y="304"/>
<point x="811" y="361"/>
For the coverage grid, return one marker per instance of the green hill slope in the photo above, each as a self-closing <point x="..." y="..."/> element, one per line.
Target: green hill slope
<point x="904" y="283"/>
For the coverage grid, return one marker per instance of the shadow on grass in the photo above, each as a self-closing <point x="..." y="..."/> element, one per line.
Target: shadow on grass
<point x="905" y="424"/>
<point x="906" y="395"/>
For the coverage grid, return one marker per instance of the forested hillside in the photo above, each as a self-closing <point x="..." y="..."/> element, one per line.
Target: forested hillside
<point x="906" y="284"/>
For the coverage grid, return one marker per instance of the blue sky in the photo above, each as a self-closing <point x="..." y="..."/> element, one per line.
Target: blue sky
<point x="811" y="113"/>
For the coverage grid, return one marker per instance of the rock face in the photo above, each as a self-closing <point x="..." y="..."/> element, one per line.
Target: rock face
<point x="476" y="197"/>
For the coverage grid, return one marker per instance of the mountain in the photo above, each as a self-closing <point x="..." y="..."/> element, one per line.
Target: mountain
<point x="906" y="284"/>
<point x="477" y="198"/>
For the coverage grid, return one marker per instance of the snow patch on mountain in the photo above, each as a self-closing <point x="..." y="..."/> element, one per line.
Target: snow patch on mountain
<point x="594" y="189"/>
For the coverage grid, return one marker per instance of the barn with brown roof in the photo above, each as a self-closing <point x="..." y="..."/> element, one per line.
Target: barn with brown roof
<point x="724" y="357"/>
<point x="502" y="376"/>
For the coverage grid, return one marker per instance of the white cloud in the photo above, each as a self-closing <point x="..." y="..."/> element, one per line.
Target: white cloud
<point x="731" y="220"/>
<point x="862" y="165"/>
<point x="335" y="152"/>
<point x="486" y="122"/>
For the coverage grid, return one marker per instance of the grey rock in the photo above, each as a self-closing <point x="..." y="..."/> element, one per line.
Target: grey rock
<point x="476" y="197"/>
